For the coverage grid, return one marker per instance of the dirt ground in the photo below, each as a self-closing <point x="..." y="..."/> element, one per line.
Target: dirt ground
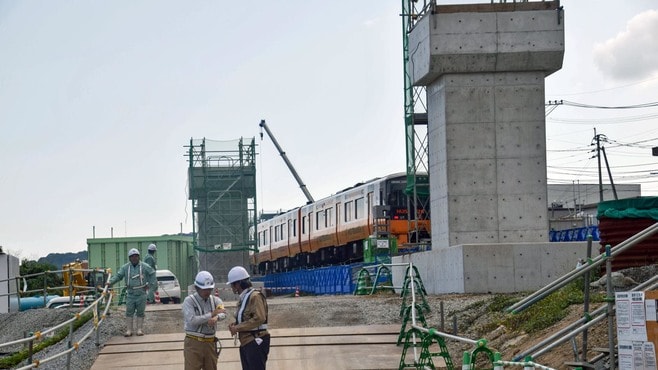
<point x="467" y="312"/>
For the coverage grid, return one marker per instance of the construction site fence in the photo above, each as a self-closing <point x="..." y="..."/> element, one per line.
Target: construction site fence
<point x="322" y="280"/>
<point x="578" y="234"/>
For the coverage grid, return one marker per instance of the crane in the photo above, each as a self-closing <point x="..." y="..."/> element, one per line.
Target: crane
<point x="263" y="125"/>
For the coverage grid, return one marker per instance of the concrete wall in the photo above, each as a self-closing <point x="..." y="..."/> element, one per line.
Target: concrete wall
<point x="9" y="269"/>
<point x="491" y="268"/>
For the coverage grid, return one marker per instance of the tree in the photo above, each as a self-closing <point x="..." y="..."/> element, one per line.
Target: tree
<point x="38" y="277"/>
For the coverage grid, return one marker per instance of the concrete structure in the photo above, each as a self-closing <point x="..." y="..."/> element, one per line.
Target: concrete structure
<point x="9" y="269"/>
<point x="487" y="268"/>
<point x="484" y="66"/>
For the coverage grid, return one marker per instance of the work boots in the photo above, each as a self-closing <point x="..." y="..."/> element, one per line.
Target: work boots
<point x="140" y="325"/>
<point x="129" y="327"/>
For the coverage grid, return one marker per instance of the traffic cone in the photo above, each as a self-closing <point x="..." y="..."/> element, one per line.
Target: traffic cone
<point x="157" y="297"/>
<point x="297" y="292"/>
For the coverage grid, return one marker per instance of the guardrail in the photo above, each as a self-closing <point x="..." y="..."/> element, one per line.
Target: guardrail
<point x="104" y="301"/>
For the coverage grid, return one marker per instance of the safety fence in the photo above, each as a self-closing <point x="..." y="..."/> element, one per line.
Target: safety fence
<point x="578" y="234"/>
<point x="324" y="280"/>
<point x="98" y="310"/>
<point x="420" y="343"/>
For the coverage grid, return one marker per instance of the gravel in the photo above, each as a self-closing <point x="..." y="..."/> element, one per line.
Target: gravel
<point x="14" y="325"/>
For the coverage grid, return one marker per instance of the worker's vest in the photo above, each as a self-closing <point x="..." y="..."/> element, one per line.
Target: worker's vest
<point x="243" y="305"/>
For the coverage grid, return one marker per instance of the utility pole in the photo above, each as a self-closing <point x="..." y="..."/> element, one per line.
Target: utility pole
<point x="598" y="156"/>
<point x="600" y="149"/>
<point x="605" y="157"/>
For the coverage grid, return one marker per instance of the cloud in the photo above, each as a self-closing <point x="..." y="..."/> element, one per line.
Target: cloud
<point x="633" y="53"/>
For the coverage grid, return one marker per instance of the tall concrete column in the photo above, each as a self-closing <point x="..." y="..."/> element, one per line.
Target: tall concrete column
<point x="484" y="67"/>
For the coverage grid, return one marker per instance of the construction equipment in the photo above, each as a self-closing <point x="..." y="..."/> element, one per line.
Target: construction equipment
<point x="73" y="276"/>
<point x="263" y="125"/>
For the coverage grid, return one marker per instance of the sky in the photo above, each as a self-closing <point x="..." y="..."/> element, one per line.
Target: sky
<point x="98" y="100"/>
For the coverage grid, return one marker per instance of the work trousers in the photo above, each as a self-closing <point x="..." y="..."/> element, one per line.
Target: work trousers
<point x="199" y="355"/>
<point x="135" y="303"/>
<point x="253" y="355"/>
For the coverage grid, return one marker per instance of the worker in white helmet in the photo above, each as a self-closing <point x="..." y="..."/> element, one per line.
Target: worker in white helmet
<point x="151" y="261"/>
<point x="201" y="311"/>
<point x="250" y="321"/>
<point x="139" y="278"/>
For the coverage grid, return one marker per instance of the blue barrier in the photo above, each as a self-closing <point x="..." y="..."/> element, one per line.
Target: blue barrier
<point x="578" y="234"/>
<point x="323" y="280"/>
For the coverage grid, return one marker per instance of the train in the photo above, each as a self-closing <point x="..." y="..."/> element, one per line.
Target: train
<point x="332" y="230"/>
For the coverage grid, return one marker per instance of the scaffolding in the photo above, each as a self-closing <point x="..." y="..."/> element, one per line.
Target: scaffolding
<point x="416" y="126"/>
<point x="222" y="188"/>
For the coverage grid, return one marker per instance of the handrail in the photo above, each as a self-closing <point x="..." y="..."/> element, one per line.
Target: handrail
<point x="572" y="275"/>
<point x="649" y="284"/>
<point x="95" y="306"/>
<point x="481" y="344"/>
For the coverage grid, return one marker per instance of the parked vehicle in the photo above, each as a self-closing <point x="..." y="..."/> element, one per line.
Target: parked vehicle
<point x="168" y="286"/>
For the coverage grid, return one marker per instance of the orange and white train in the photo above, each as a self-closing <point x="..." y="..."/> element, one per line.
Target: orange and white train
<point x="331" y="231"/>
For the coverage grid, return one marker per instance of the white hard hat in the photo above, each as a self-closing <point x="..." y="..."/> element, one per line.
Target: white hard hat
<point x="237" y="273"/>
<point x="204" y="280"/>
<point x="133" y="251"/>
<point x="152" y="247"/>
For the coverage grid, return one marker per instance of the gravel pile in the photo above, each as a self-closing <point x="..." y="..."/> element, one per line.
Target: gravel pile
<point x="14" y="325"/>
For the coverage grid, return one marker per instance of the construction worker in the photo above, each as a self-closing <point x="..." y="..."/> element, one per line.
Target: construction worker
<point x="139" y="278"/>
<point x="201" y="311"/>
<point x="250" y="324"/>
<point x="151" y="261"/>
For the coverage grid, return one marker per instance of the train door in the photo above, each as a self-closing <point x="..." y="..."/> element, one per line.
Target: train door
<point x="369" y="205"/>
<point x="339" y="212"/>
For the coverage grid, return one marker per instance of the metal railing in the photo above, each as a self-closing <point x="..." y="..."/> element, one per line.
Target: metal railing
<point x="98" y="308"/>
<point x="603" y="312"/>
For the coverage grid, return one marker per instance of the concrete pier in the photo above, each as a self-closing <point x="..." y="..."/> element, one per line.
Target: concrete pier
<point x="484" y="66"/>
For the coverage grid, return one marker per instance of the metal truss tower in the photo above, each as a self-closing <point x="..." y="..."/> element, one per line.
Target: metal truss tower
<point x="415" y="122"/>
<point x="222" y="187"/>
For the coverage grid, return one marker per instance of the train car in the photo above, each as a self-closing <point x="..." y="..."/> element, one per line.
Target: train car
<point x="332" y="230"/>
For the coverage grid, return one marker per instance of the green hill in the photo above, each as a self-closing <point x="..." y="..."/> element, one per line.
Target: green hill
<point x="59" y="259"/>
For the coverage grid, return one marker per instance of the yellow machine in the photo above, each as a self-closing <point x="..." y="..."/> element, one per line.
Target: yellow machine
<point x="74" y="276"/>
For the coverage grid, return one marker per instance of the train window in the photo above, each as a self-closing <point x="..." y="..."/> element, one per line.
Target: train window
<point x="276" y="233"/>
<point x="320" y="220"/>
<point x="293" y="226"/>
<point x="396" y="198"/>
<point x="283" y="232"/>
<point x="329" y="218"/>
<point x="359" y="208"/>
<point x="303" y="225"/>
<point x="265" y="242"/>
<point x="348" y="211"/>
